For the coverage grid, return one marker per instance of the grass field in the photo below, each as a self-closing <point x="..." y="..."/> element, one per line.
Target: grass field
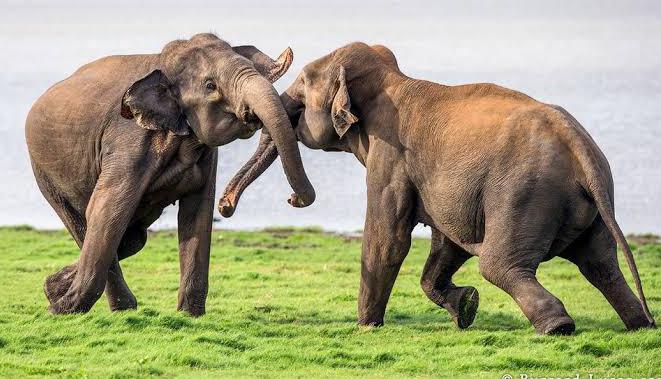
<point x="282" y="303"/>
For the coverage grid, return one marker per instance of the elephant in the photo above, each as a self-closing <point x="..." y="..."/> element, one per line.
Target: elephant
<point x="493" y="172"/>
<point x="125" y="136"/>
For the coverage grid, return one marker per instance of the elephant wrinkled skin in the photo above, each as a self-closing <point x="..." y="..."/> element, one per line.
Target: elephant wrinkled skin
<point x="125" y="136"/>
<point x="495" y="173"/>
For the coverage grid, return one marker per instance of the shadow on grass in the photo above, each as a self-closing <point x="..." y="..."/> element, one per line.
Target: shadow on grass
<point x="490" y="321"/>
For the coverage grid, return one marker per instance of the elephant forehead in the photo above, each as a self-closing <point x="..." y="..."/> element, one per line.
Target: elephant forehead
<point x="204" y="38"/>
<point x="316" y="96"/>
<point x="208" y="62"/>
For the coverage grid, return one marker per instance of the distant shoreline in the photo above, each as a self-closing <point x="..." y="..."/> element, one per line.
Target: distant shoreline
<point x="638" y="238"/>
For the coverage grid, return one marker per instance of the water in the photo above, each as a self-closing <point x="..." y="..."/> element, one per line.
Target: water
<point x="601" y="65"/>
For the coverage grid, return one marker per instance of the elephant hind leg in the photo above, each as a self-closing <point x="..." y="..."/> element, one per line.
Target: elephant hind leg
<point x="120" y="297"/>
<point x="595" y="254"/>
<point x="57" y="284"/>
<point x="73" y="219"/>
<point x="444" y="260"/>
<point x="520" y="235"/>
<point x="545" y="311"/>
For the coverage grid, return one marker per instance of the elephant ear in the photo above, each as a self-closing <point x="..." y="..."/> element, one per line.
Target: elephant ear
<point x="151" y="102"/>
<point x="269" y="68"/>
<point x="341" y="105"/>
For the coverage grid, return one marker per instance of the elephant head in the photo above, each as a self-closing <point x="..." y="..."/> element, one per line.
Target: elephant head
<point x="221" y="93"/>
<point x="319" y="104"/>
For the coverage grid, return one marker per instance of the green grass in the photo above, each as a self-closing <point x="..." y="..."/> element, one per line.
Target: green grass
<point x="282" y="303"/>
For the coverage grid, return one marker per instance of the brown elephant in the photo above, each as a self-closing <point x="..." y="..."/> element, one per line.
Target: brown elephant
<point x="123" y="137"/>
<point x="495" y="173"/>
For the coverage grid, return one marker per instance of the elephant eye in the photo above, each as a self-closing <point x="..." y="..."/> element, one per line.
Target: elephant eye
<point x="211" y="86"/>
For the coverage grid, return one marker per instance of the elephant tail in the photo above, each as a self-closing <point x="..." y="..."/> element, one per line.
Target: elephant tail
<point x="597" y="187"/>
<point x="603" y="203"/>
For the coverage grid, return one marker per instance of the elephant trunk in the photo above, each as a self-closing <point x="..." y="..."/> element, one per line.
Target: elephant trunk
<point x="262" y="159"/>
<point x="266" y="105"/>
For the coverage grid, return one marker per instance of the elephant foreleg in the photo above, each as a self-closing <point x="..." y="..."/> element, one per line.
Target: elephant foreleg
<point x="386" y="241"/>
<point x="195" y="220"/>
<point x="57" y="284"/>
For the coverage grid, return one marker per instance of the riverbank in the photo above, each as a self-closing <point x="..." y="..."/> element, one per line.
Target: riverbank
<point x="282" y="302"/>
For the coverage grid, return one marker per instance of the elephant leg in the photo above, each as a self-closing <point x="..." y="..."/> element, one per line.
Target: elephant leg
<point x="56" y="285"/>
<point x="119" y="295"/>
<point x="195" y="220"/>
<point x="384" y="250"/>
<point x="444" y="260"/>
<point x="72" y="218"/>
<point x="595" y="254"/>
<point x="109" y="211"/>
<point x="518" y="237"/>
<point x="545" y="311"/>
<point x="386" y="242"/>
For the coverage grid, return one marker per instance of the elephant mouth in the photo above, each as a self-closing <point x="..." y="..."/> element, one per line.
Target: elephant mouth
<point x="250" y="128"/>
<point x="254" y="126"/>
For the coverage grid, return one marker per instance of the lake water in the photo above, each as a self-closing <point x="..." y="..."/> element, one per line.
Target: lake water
<point x="603" y="67"/>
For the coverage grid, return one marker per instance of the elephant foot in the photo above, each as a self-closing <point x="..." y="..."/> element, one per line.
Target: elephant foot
<point x="66" y="296"/>
<point x="126" y="302"/>
<point x="77" y="300"/>
<point x="640" y="322"/>
<point x="558" y="326"/>
<point x="57" y="285"/>
<point x="192" y="311"/>
<point x="193" y="303"/>
<point x="462" y="303"/>
<point x="373" y="323"/>
<point x="120" y="297"/>
<point x="69" y="304"/>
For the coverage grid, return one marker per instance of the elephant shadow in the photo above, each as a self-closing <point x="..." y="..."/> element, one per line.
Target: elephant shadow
<point x="438" y="321"/>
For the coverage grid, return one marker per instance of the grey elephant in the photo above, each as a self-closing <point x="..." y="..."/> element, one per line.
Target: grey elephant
<point x="123" y="137"/>
<point x="495" y="173"/>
